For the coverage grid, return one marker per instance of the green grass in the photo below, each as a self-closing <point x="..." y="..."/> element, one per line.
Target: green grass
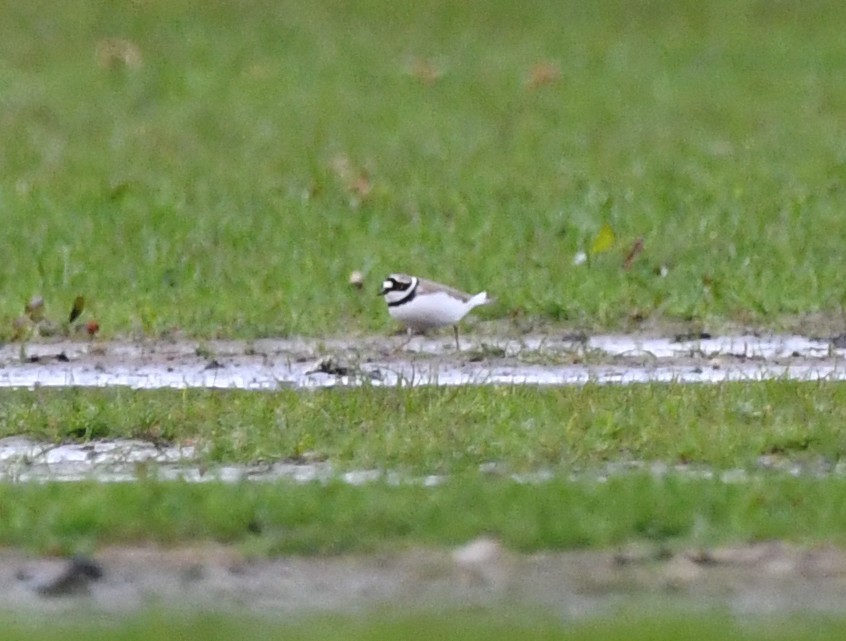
<point x="198" y="186"/>
<point x="316" y="518"/>
<point x="461" y="626"/>
<point x="453" y="430"/>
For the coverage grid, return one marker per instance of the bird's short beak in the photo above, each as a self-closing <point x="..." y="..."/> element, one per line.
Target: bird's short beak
<point x="382" y="291"/>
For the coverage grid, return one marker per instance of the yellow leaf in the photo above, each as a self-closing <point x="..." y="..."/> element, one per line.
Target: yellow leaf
<point x="604" y="239"/>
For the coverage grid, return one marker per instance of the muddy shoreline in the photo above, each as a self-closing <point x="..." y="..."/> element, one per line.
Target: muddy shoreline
<point x="764" y="579"/>
<point x="271" y="364"/>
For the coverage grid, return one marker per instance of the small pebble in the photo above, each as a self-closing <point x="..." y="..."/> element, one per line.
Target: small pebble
<point x="356" y="279"/>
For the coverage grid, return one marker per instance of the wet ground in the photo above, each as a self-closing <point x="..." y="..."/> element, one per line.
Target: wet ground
<point x="305" y="364"/>
<point x="533" y="360"/>
<point x="23" y="460"/>
<point x="757" y="579"/>
<point x="763" y="579"/>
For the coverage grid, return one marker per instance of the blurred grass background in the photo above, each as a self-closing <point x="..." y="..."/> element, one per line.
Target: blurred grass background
<point x="467" y="624"/>
<point x="221" y="167"/>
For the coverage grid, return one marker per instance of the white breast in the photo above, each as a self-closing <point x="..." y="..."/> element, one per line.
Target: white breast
<point x="427" y="311"/>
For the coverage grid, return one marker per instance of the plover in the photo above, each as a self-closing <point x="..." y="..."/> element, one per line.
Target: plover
<point x="422" y="304"/>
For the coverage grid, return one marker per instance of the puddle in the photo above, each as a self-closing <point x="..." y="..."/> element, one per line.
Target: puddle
<point x="531" y="360"/>
<point x="305" y="364"/>
<point x="272" y="377"/>
<point x="23" y="460"/>
<point x="763" y="579"/>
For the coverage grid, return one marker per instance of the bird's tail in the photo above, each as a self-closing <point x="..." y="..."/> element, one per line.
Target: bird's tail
<point x="479" y="299"/>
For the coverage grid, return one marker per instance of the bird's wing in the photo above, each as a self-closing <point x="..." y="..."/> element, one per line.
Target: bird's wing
<point x="431" y="286"/>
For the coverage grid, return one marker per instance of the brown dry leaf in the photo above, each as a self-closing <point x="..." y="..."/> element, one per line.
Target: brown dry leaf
<point x="118" y="53"/>
<point x="77" y="309"/>
<point x="634" y="251"/>
<point x="637" y="315"/>
<point x="425" y="71"/>
<point x="361" y="186"/>
<point x="355" y="181"/>
<point x="543" y="73"/>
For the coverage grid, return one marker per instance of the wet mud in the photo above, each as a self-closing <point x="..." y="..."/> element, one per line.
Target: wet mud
<point x="530" y="360"/>
<point x="759" y="580"/>
<point x="764" y="579"/>
<point x="23" y="460"/>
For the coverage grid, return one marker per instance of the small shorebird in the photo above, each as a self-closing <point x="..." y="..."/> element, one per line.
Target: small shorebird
<point x="422" y="304"/>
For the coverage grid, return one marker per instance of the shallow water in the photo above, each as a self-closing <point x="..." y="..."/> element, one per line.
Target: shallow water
<point x="261" y="377"/>
<point x="533" y="360"/>
<point x="302" y="364"/>
<point x="766" y="579"/>
<point x="23" y="460"/>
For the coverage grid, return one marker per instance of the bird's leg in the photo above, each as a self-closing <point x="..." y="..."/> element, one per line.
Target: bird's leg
<point x="409" y="334"/>
<point x="401" y="346"/>
<point x="455" y="331"/>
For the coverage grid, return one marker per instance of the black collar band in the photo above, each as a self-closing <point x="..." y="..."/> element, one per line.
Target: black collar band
<point x="407" y="299"/>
